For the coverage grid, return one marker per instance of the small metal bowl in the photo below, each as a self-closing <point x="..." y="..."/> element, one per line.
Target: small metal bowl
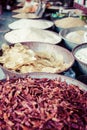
<point x="38" y="47"/>
<point x="70" y="44"/>
<point x="30" y="23"/>
<point x="33" y="34"/>
<point x="82" y="66"/>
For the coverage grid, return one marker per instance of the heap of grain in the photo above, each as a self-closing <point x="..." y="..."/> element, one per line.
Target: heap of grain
<point x="69" y="22"/>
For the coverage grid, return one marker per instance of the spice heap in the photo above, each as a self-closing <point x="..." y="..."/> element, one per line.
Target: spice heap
<point x="42" y="104"/>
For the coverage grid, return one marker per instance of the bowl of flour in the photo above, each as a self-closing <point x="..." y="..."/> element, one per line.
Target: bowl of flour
<point x="73" y="36"/>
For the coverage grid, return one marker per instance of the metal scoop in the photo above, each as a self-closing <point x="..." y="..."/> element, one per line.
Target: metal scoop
<point x="41" y="8"/>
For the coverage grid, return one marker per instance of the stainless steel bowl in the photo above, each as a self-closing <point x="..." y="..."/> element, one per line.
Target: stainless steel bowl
<point x="70" y="44"/>
<point x="51" y="97"/>
<point x="33" y="34"/>
<point x="36" y="46"/>
<point x="82" y="66"/>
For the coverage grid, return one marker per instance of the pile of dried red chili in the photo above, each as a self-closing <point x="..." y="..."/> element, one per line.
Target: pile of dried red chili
<point x="42" y="104"/>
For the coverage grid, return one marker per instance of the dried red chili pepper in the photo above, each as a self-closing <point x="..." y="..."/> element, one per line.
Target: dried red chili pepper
<point x="42" y="104"/>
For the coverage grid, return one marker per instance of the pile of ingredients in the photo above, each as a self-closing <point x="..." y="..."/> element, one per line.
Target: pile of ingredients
<point x="69" y="22"/>
<point x="42" y="104"/>
<point x="22" y="59"/>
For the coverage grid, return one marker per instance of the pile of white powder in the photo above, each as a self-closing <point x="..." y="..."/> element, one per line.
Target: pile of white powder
<point x="76" y="36"/>
<point x="35" y="35"/>
<point x="82" y="55"/>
